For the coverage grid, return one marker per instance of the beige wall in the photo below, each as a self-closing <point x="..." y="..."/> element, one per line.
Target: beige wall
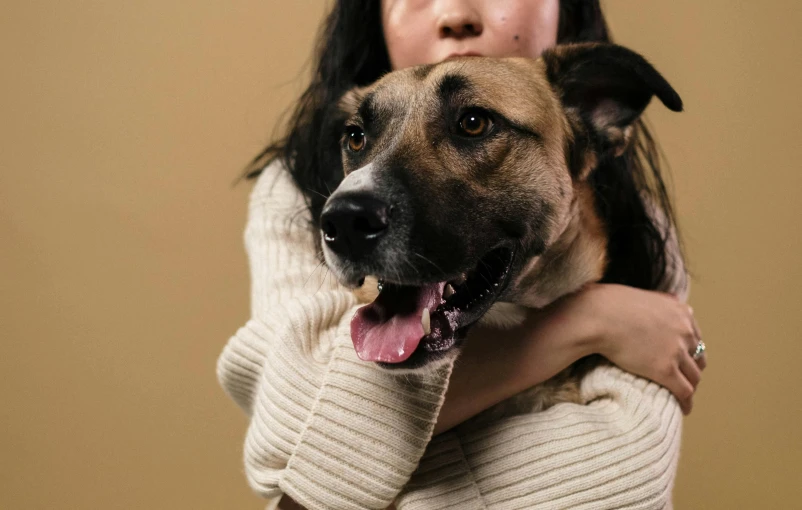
<point x="122" y="127"/>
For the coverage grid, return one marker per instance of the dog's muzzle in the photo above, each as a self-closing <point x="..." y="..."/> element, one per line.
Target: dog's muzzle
<point x="423" y="311"/>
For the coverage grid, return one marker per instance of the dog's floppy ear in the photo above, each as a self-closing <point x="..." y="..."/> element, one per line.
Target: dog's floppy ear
<point x="609" y="86"/>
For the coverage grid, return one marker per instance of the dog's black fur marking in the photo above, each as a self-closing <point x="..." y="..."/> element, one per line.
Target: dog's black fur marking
<point x="374" y="115"/>
<point x="367" y="109"/>
<point x="451" y="85"/>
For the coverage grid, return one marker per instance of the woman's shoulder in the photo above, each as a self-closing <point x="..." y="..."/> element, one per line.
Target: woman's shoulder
<point x="275" y="191"/>
<point x="274" y="181"/>
<point x="276" y="204"/>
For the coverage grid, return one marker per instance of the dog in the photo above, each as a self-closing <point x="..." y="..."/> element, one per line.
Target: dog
<point x="465" y="196"/>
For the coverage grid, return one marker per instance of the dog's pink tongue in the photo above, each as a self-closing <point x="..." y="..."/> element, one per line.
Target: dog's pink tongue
<point x="389" y="329"/>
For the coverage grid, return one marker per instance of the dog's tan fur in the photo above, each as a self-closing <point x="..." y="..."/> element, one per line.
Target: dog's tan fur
<point x="573" y="233"/>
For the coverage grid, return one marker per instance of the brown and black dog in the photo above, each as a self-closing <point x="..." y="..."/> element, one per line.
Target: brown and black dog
<point x="466" y="191"/>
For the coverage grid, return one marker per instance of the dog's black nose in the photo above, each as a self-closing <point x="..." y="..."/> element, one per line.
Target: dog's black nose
<point x="352" y="224"/>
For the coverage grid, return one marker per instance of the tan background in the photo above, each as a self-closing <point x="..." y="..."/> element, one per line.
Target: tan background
<point x="122" y="127"/>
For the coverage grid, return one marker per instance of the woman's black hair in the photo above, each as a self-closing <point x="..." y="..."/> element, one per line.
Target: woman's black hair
<point x="351" y="52"/>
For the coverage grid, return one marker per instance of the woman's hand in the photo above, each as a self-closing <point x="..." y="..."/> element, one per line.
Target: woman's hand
<point x="648" y="333"/>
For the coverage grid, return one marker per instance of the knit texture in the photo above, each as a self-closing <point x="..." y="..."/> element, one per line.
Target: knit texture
<point x="334" y="432"/>
<point x="620" y="450"/>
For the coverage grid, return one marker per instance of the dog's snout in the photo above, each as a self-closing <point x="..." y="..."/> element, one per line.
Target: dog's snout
<point x="352" y="224"/>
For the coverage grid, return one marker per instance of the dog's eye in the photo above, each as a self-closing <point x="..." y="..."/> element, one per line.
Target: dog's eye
<point x="356" y="138"/>
<point x="474" y="123"/>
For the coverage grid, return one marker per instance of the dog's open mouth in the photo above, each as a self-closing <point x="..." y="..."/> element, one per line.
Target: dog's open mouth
<point x="431" y="317"/>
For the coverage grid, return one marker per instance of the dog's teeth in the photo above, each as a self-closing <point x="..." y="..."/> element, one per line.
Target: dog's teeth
<point x="425" y="321"/>
<point x="448" y="291"/>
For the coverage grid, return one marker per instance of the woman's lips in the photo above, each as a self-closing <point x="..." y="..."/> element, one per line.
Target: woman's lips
<point x="464" y="54"/>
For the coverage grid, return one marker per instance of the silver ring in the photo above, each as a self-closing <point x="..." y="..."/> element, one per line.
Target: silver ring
<point x="700" y="350"/>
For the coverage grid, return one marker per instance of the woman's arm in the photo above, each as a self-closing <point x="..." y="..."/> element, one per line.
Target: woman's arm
<point x="647" y="333"/>
<point x="618" y="450"/>
<point x="496" y="364"/>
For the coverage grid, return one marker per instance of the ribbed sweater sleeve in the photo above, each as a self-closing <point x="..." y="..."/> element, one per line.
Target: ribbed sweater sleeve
<point x="618" y="450"/>
<point x="326" y="428"/>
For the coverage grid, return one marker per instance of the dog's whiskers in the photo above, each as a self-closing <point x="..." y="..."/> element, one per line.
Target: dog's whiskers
<point x="410" y="264"/>
<point x="429" y="261"/>
<point x="483" y="276"/>
<point x="319" y="193"/>
<point x="398" y="274"/>
<point x="323" y="280"/>
<point x="313" y="272"/>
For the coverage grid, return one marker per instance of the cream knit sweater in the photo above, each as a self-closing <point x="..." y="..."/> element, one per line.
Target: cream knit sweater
<point x="334" y="432"/>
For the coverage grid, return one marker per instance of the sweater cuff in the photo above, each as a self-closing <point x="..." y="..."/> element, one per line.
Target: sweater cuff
<point x="326" y="428"/>
<point x="365" y="437"/>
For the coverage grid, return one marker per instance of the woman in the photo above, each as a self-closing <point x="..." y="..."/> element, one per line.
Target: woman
<point x="333" y="432"/>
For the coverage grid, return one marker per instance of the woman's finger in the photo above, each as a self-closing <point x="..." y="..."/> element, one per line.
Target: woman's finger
<point x="682" y="390"/>
<point x="690" y="370"/>
<point x="686" y="406"/>
<point x="702" y="361"/>
<point x="701" y="357"/>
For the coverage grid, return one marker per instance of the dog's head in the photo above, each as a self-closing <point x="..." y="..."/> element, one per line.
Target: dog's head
<point x="460" y="176"/>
